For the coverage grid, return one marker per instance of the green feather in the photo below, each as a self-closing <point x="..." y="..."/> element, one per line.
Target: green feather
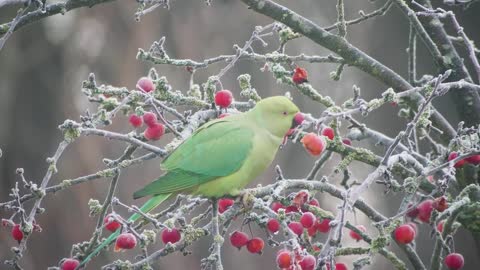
<point x="171" y="182"/>
<point x="218" y="149"/>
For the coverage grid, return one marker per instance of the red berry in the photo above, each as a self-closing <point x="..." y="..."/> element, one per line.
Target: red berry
<point x="314" y="202"/>
<point x="154" y="133"/>
<point x="440" y="226"/>
<point x="454" y="155"/>
<point x="223" y="98"/>
<point x="412" y="211"/>
<point x="347" y="141"/>
<point x="284" y="259"/>
<point x="145" y="84"/>
<point x="308" y="262"/>
<point x="126" y="241"/>
<point x="170" y="236"/>
<point x="313" y="143"/>
<point x="425" y="209"/>
<point x="323" y="226"/>
<point x="454" y="261"/>
<point x="474" y="160"/>
<point x="355" y="235"/>
<point x="223" y="115"/>
<point x="276" y="206"/>
<point x="298" y="118"/>
<point x="150" y="119"/>
<point x="110" y="223"/>
<point x="300" y="75"/>
<point x="273" y="225"/>
<point x="255" y="245"/>
<point x="404" y="234"/>
<point x="224" y="204"/>
<point x="69" y="264"/>
<point x="301" y="198"/>
<point x="328" y="132"/>
<point x="291" y="208"/>
<point x="440" y="204"/>
<point x="238" y="239"/>
<point x="338" y="266"/>
<point x="296" y="227"/>
<point x="312" y="230"/>
<point x="414" y="226"/>
<point x="308" y="220"/>
<point x="17" y="233"/>
<point x="135" y="120"/>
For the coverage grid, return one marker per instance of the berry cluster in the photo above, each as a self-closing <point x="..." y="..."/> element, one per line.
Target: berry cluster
<point x="423" y="211"/>
<point x="154" y="130"/>
<point x="240" y="239"/>
<point x="406" y="233"/>
<point x="316" y="144"/>
<point x="129" y="241"/>
<point x="295" y="260"/>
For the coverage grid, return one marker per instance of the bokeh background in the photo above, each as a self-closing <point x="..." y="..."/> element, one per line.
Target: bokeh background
<point x="43" y="64"/>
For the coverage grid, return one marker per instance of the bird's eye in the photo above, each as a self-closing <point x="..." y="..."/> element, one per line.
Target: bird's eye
<point x="285" y="113"/>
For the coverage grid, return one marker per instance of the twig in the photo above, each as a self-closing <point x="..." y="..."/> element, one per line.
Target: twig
<point x="240" y="52"/>
<point x="217" y="238"/>
<point x="318" y="164"/>
<point x="246" y="55"/>
<point x="468" y="43"/>
<point x="12" y="26"/>
<point x="342" y="26"/>
<point x="122" y="137"/>
<point x="106" y="203"/>
<point x="412" y="56"/>
<point x="379" y="12"/>
<point x="50" y="10"/>
<point x="52" y="162"/>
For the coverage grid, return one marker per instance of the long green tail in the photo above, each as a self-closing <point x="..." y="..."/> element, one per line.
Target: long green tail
<point x="147" y="207"/>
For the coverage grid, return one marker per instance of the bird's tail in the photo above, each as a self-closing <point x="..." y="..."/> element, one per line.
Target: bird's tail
<point x="147" y="207"/>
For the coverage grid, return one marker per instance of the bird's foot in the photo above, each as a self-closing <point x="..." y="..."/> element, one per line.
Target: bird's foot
<point x="246" y="198"/>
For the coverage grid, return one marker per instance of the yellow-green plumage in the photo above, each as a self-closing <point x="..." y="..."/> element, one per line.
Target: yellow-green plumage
<point x="226" y="154"/>
<point x="222" y="156"/>
<point x="262" y="152"/>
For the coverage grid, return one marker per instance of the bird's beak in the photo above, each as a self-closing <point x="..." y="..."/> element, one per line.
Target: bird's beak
<point x="297" y="119"/>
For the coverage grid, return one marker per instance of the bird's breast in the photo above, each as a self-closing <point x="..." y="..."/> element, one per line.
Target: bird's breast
<point x="263" y="152"/>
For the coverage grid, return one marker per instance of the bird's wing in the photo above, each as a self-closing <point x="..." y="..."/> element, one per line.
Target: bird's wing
<point x="217" y="149"/>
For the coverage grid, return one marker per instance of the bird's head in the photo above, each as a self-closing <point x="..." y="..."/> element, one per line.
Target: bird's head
<point x="276" y="114"/>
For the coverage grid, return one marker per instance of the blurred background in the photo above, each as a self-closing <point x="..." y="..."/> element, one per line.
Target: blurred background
<point x="43" y="64"/>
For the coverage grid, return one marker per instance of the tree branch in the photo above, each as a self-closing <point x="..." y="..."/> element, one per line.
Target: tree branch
<point x="352" y="55"/>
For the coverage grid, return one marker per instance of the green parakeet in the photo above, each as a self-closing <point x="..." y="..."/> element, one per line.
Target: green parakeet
<point x="221" y="157"/>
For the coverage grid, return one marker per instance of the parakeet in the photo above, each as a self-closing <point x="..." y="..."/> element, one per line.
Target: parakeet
<point x="221" y="157"/>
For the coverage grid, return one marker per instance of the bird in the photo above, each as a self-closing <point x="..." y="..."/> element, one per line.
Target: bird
<point x="221" y="157"/>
